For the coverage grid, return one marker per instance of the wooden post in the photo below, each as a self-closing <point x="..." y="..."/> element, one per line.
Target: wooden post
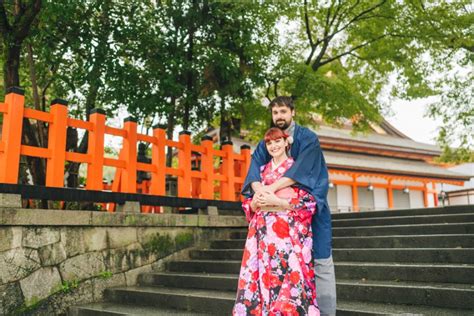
<point x="57" y="144"/>
<point x="355" y="194"/>
<point x="158" y="159"/>
<point x="390" y="194"/>
<point x="425" y="194"/>
<point x="207" y="167"/>
<point x="184" y="164"/>
<point x="435" y="194"/>
<point x="96" y="150"/>
<point x="11" y="135"/>
<point x="228" y="187"/>
<point x="129" y="173"/>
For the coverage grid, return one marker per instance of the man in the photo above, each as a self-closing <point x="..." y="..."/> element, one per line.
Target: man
<point x="310" y="173"/>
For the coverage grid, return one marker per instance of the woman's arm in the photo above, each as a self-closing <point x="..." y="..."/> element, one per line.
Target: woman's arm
<point x="272" y="203"/>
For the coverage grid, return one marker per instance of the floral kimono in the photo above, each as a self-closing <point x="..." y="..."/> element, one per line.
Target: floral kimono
<point x="277" y="275"/>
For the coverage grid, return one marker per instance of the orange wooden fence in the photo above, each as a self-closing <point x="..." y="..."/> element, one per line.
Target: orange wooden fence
<point x="226" y="177"/>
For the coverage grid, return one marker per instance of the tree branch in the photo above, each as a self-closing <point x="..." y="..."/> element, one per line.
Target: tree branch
<point x="308" y="28"/>
<point x="351" y="50"/>
<point x="22" y="25"/>
<point x="4" y="25"/>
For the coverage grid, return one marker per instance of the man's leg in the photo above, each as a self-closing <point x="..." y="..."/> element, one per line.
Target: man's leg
<point x="326" y="286"/>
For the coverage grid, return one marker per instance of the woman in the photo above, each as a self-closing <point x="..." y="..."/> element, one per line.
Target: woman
<point x="277" y="276"/>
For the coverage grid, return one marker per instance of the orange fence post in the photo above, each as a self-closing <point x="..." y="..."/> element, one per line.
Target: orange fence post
<point x="158" y="159"/>
<point x="207" y="167"/>
<point x="11" y="135"/>
<point x="228" y="187"/>
<point x="184" y="164"/>
<point x="96" y="150"/>
<point x="57" y="144"/>
<point x="129" y="174"/>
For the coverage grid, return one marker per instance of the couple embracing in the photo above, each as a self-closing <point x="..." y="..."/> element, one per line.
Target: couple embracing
<point x="288" y="249"/>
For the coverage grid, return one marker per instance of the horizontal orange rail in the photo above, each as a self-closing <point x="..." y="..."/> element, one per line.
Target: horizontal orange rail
<point x="115" y="131"/>
<point x="78" y="157"/>
<point x="174" y="172"/>
<point x="114" y="163"/>
<point x="80" y="124"/>
<point x="146" y="138"/>
<point x="146" y="167"/>
<point x="38" y="115"/>
<point x="174" y="144"/>
<point x="35" y="151"/>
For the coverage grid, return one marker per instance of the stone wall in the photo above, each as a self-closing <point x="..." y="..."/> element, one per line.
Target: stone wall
<point x="50" y="259"/>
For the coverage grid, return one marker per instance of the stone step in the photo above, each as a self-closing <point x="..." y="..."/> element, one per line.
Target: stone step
<point x="204" y="301"/>
<point x="211" y="301"/>
<point x="404" y="220"/>
<point x="411" y="293"/>
<point x="239" y="234"/>
<point x="357" y="308"/>
<point x="201" y="273"/>
<point x="216" y="254"/>
<point x="458" y="209"/>
<point x="224" y="282"/>
<point x="205" y="266"/>
<point x="418" y="229"/>
<point x="345" y="308"/>
<point x="228" y="244"/>
<point x="391" y="241"/>
<point x="111" y="309"/>
<point x="400" y="241"/>
<point x="437" y="273"/>
<point x="414" y="255"/>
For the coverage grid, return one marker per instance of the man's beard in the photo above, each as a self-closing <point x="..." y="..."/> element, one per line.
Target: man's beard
<point x="282" y="124"/>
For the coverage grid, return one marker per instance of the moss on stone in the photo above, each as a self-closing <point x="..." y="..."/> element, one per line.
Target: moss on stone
<point x="183" y="240"/>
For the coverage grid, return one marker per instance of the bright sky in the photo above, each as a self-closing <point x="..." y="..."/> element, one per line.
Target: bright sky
<point x="409" y="118"/>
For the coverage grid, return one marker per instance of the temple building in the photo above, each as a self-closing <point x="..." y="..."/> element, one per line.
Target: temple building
<point x="379" y="169"/>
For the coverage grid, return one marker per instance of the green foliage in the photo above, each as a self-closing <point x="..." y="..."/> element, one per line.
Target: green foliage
<point x="198" y="63"/>
<point x="183" y="240"/>
<point x="160" y="245"/>
<point x="68" y="286"/>
<point x="163" y="245"/>
<point x="105" y="275"/>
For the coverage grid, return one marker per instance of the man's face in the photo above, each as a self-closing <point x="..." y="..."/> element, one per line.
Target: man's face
<point x="282" y="116"/>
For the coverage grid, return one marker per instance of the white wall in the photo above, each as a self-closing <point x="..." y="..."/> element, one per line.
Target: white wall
<point x="380" y="199"/>
<point x="416" y="199"/>
<point x="344" y="198"/>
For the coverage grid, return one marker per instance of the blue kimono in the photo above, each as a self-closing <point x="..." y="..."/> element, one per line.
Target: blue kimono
<point x="310" y="173"/>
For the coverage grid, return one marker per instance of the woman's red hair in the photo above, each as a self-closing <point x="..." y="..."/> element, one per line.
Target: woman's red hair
<point x="274" y="133"/>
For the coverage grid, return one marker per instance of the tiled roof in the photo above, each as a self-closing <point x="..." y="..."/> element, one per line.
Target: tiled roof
<point x="379" y="164"/>
<point x="326" y="133"/>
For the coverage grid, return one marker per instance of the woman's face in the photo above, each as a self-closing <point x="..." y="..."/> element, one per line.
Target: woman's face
<point x="277" y="147"/>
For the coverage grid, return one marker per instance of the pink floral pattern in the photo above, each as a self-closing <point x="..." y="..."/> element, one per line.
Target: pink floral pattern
<point x="277" y="274"/>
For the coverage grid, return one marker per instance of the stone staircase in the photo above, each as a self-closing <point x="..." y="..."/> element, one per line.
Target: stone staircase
<point x="418" y="261"/>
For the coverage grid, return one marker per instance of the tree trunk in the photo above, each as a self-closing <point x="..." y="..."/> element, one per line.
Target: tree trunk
<point x="170" y="131"/>
<point x="12" y="63"/>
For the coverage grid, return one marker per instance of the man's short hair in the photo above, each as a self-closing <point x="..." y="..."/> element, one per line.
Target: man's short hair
<point x="282" y="101"/>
